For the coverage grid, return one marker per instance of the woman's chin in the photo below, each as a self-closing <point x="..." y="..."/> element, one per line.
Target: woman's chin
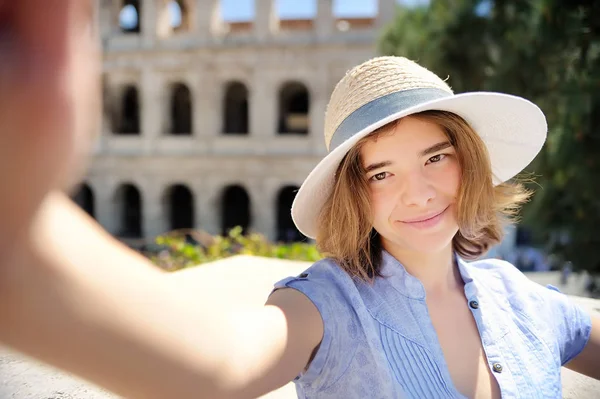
<point x="424" y="242"/>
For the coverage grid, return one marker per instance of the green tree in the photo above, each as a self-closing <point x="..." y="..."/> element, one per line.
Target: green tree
<point x="440" y="37"/>
<point x="570" y="200"/>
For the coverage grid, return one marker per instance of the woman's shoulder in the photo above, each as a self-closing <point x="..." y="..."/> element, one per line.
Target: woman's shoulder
<point x="327" y="285"/>
<point x="505" y="279"/>
<point x="325" y="272"/>
<point x="540" y="309"/>
<point x="493" y="264"/>
<point x="494" y="268"/>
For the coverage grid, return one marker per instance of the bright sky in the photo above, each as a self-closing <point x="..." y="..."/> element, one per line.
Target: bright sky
<point x="236" y="10"/>
<point x="243" y="10"/>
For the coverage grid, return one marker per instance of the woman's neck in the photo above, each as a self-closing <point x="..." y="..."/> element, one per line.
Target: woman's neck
<point x="437" y="271"/>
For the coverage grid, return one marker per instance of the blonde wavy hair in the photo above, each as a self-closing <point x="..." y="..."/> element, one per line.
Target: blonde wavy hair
<point x="345" y="231"/>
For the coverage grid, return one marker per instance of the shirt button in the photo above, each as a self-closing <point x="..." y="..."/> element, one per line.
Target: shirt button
<point x="497" y="367"/>
<point x="474" y="304"/>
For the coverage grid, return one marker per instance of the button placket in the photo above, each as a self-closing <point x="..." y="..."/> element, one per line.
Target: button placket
<point x="495" y="365"/>
<point x="491" y="350"/>
<point x="491" y="324"/>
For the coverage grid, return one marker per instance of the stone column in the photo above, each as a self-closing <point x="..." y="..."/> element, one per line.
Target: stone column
<point x="207" y="18"/>
<point x="266" y="21"/>
<point x="162" y="19"/>
<point x="109" y="17"/>
<point x="208" y="98"/>
<point x="207" y="206"/>
<point x="104" y="204"/>
<point x="152" y="95"/>
<point x="272" y="187"/>
<point x="148" y="18"/>
<point x="154" y="217"/>
<point x="263" y="103"/>
<point x="324" y="20"/>
<point x="320" y="94"/>
<point x="263" y="208"/>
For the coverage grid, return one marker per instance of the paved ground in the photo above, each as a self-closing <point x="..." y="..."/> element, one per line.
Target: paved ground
<point x="240" y="280"/>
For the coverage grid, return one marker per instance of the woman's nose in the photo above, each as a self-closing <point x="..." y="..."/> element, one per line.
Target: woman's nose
<point x="416" y="190"/>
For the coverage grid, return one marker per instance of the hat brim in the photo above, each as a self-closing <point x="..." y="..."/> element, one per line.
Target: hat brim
<point x="513" y="129"/>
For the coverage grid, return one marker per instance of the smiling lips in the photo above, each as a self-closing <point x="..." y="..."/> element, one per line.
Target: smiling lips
<point x="426" y="221"/>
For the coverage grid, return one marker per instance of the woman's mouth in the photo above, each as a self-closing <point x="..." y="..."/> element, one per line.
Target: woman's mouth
<point x="426" y="221"/>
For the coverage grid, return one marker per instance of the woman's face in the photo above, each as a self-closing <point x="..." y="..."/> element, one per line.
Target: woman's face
<point x="413" y="176"/>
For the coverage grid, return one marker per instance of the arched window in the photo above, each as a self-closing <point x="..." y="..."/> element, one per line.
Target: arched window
<point x="293" y="109"/>
<point x="235" y="209"/>
<point x="286" y="229"/>
<point x="181" y="110"/>
<point x="129" y="116"/>
<point x="180" y="202"/>
<point x="130" y="16"/>
<point x="235" y="115"/>
<point x="179" y="15"/>
<point x="129" y="211"/>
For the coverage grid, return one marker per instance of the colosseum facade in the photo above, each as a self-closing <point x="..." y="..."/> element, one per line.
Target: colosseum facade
<point x="210" y="124"/>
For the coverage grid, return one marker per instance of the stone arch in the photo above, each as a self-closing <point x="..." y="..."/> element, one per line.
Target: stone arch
<point x="235" y="108"/>
<point x="181" y="110"/>
<point x="179" y="200"/>
<point x="235" y="209"/>
<point x="294" y="107"/>
<point x="180" y="15"/>
<point x="128" y="201"/>
<point x="130" y="16"/>
<point x="127" y="120"/>
<point x="286" y="229"/>
<point x="110" y="106"/>
<point x="84" y="197"/>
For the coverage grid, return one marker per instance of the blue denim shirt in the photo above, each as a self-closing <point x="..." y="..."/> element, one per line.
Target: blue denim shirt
<point x="379" y="341"/>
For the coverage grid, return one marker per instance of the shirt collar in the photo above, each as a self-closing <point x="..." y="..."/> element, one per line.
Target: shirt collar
<point x="475" y="288"/>
<point x="410" y="286"/>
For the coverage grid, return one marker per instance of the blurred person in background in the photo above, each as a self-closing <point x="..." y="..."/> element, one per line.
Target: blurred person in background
<point x="404" y="198"/>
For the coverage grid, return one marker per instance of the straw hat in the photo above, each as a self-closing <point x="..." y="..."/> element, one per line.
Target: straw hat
<point x="384" y="89"/>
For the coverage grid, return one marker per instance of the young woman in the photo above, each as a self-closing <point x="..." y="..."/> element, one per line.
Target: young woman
<point x="414" y="185"/>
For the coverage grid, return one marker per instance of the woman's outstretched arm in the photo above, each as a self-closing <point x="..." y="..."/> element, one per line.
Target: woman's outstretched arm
<point x="83" y="302"/>
<point x="588" y="361"/>
<point x="71" y="295"/>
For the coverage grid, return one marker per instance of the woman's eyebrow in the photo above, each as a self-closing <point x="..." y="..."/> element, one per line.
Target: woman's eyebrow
<point x="377" y="165"/>
<point x="435" y="148"/>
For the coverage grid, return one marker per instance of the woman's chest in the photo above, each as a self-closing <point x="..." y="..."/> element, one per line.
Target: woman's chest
<point x="480" y="350"/>
<point x="464" y="355"/>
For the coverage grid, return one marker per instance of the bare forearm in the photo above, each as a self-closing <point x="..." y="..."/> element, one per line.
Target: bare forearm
<point x="127" y="339"/>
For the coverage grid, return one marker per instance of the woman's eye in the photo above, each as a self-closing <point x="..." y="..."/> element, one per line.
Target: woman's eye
<point x="436" y="158"/>
<point x="379" y="176"/>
